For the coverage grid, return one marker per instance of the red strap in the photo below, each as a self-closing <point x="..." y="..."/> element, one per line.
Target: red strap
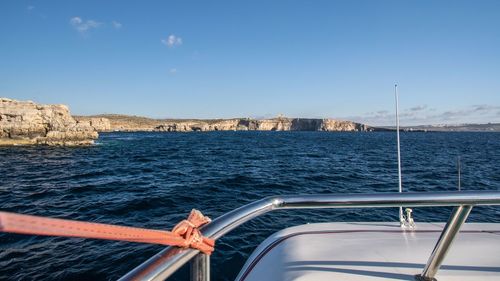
<point x="185" y="234"/>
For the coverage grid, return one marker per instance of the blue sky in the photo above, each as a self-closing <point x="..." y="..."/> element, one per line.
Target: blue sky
<point x="221" y="59"/>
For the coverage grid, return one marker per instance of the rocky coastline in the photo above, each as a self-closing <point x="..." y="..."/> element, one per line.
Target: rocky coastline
<point x="28" y="123"/>
<point x="125" y="123"/>
<point x="275" y="124"/>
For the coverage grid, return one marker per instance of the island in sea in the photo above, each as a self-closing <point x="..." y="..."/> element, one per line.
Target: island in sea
<point x="29" y="123"/>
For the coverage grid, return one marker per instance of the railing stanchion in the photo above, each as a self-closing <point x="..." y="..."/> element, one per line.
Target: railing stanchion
<point x="170" y="259"/>
<point x="444" y="242"/>
<point x="200" y="268"/>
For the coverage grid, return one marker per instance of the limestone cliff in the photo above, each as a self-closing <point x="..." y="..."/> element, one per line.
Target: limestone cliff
<point x="276" y="124"/>
<point x="123" y="123"/>
<point x="25" y="122"/>
<point x="134" y="123"/>
<point x="98" y="123"/>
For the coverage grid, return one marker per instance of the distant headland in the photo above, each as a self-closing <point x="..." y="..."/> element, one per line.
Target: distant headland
<point x="29" y="123"/>
<point x="126" y="123"/>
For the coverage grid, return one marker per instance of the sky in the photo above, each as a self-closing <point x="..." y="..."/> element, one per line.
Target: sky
<point x="258" y="59"/>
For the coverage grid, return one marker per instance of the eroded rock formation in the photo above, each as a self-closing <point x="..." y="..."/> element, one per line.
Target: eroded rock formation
<point x="25" y="122"/>
<point x="125" y="123"/>
<point x="99" y="124"/>
<point x="275" y="124"/>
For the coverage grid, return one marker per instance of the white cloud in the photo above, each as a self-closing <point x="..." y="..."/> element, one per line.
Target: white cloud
<point x="172" y="41"/>
<point x="422" y="114"/>
<point x="173" y="70"/>
<point x="30" y="8"/>
<point x="116" y="24"/>
<point x="75" y="21"/>
<point x="83" y="26"/>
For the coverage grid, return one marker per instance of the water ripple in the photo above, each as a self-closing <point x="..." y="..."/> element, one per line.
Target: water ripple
<point x="154" y="179"/>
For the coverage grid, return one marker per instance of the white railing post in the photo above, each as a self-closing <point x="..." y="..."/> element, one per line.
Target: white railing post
<point x="166" y="262"/>
<point x="200" y="268"/>
<point x="447" y="237"/>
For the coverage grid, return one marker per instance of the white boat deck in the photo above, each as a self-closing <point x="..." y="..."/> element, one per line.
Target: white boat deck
<point x="373" y="251"/>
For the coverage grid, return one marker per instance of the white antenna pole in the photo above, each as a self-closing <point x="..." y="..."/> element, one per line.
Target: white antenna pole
<point x="401" y="218"/>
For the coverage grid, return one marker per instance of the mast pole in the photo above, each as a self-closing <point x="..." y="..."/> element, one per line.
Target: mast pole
<point x="401" y="217"/>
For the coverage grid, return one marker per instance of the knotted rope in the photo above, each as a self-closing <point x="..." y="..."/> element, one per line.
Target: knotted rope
<point x="185" y="234"/>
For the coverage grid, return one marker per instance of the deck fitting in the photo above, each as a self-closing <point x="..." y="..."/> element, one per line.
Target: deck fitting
<point x="419" y="277"/>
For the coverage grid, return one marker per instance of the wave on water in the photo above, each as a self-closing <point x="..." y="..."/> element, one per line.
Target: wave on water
<point x="153" y="180"/>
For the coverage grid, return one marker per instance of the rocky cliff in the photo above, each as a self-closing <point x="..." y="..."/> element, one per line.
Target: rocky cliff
<point x="122" y="123"/>
<point x="134" y="123"/>
<point x="25" y="122"/>
<point x="98" y="123"/>
<point x="276" y="124"/>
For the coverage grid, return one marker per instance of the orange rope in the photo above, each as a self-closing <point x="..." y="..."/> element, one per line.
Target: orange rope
<point x="185" y="234"/>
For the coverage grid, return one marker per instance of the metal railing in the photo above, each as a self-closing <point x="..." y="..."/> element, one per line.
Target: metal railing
<point x="169" y="260"/>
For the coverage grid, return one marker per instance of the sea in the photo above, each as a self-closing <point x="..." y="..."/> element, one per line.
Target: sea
<point x="153" y="180"/>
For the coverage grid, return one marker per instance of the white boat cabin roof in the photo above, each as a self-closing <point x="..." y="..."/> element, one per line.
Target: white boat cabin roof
<point x="373" y="251"/>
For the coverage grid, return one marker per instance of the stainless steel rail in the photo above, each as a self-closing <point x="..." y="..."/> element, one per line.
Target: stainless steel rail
<point x="452" y="227"/>
<point x="200" y="268"/>
<point x="169" y="260"/>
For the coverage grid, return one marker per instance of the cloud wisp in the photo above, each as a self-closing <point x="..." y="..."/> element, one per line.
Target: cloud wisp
<point x="116" y="25"/>
<point x="423" y="115"/>
<point x="172" y="41"/>
<point x="84" y="26"/>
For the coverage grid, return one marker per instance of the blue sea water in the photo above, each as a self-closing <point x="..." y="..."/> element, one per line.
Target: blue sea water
<point x="153" y="180"/>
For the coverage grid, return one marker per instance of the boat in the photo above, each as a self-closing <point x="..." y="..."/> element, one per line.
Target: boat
<point x="454" y="250"/>
<point x="352" y="251"/>
<point x="355" y="251"/>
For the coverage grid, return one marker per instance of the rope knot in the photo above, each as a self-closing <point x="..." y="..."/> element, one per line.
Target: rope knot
<point x="188" y="229"/>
